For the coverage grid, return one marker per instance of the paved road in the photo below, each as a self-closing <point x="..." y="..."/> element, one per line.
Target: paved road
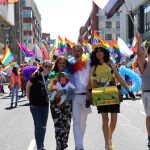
<point x="16" y="128"/>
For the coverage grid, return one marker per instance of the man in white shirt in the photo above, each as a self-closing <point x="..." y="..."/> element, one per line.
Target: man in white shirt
<point x="80" y="79"/>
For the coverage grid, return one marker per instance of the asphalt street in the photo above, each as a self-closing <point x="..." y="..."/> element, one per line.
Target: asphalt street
<point x="17" y="133"/>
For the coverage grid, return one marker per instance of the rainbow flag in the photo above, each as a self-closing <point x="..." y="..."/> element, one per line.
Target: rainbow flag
<point x="85" y="44"/>
<point x="60" y="46"/>
<point x="44" y="50"/>
<point x="97" y="39"/>
<point x="26" y="52"/>
<point x="51" y="55"/>
<point x="8" y="57"/>
<point x="68" y="45"/>
<point x="116" y="48"/>
<point x="10" y="65"/>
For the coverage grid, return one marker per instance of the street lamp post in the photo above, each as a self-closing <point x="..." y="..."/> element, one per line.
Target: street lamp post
<point x="20" y="28"/>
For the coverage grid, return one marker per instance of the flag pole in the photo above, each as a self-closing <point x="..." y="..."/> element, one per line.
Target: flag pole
<point x="129" y="13"/>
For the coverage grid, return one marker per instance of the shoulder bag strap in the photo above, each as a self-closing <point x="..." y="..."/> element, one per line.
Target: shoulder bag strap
<point x="44" y="82"/>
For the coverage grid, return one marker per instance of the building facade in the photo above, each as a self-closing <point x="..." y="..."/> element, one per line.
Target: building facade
<point x="31" y="21"/>
<point x="140" y="12"/>
<point x="6" y="23"/>
<point x="86" y="31"/>
<point x="108" y="28"/>
<point x="27" y="27"/>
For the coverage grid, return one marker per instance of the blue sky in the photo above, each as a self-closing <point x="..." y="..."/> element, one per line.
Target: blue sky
<point x="64" y="17"/>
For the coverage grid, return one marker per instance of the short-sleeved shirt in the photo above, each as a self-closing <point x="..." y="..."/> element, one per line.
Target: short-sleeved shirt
<point x="38" y="95"/>
<point x="66" y="87"/>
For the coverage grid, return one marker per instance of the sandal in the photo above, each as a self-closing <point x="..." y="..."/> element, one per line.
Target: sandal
<point x="108" y="147"/>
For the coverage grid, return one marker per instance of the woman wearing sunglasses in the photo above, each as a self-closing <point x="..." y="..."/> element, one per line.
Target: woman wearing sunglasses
<point x="103" y="73"/>
<point x="37" y="94"/>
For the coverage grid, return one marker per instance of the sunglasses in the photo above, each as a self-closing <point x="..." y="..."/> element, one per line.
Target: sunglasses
<point x="47" y="66"/>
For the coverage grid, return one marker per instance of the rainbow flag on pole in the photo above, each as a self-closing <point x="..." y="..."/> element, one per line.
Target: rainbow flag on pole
<point x="68" y="45"/>
<point x="85" y="44"/>
<point x="26" y="52"/>
<point x="60" y="46"/>
<point x="116" y="48"/>
<point x="8" y="56"/>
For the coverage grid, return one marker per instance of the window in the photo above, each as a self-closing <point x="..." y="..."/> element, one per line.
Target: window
<point x="27" y="27"/>
<point x="117" y="24"/>
<point x="23" y="3"/>
<point x="108" y="36"/>
<point x="117" y="35"/>
<point x="147" y="18"/>
<point x="108" y="25"/>
<point x="27" y="13"/>
<point x="137" y="19"/>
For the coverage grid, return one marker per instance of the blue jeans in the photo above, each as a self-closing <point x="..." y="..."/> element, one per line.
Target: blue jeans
<point x="14" y="92"/>
<point x="40" y="116"/>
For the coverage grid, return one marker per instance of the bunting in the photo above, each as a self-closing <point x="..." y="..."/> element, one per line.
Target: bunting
<point x="8" y="56"/>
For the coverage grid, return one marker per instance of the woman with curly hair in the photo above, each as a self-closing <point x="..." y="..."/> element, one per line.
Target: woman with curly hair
<point x="103" y="72"/>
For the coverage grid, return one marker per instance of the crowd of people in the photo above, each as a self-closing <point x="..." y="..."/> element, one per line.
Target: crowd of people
<point x="66" y="87"/>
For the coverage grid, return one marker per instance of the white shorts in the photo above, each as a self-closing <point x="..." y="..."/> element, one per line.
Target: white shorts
<point x="146" y="102"/>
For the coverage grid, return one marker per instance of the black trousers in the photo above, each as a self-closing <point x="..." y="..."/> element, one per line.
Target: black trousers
<point x="62" y="120"/>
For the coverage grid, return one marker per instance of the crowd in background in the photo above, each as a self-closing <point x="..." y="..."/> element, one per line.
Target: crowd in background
<point x="65" y="87"/>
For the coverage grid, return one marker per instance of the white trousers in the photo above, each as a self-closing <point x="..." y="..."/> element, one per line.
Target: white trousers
<point x="80" y="113"/>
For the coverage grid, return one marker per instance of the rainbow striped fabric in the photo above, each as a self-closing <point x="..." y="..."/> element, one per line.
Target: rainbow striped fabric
<point x="8" y="56"/>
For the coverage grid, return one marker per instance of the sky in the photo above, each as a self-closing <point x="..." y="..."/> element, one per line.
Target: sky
<point x="64" y="17"/>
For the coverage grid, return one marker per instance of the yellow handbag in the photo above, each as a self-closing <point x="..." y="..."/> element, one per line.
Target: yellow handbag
<point x="105" y="96"/>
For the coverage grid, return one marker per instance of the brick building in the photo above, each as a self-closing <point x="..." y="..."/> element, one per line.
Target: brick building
<point x="86" y="31"/>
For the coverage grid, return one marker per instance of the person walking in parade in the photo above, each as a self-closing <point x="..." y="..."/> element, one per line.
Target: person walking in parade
<point x="37" y="94"/>
<point x="14" y="85"/>
<point x="61" y="113"/>
<point x="144" y="66"/>
<point x="102" y="74"/>
<point x="80" y="68"/>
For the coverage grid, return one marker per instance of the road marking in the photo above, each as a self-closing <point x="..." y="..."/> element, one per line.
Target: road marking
<point x="126" y="103"/>
<point x="143" y="113"/>
<point x="31" y="145"/>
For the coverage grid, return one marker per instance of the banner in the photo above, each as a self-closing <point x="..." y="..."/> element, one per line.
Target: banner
<point x="110" y="7"/>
